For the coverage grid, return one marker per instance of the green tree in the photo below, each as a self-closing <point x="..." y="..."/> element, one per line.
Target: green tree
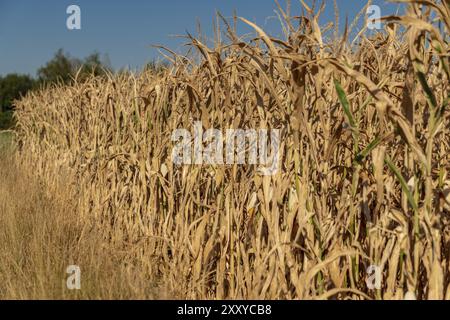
<point x="59" y="69"/>
<point x="92" y="65"/>
<point x="12" y="87"/>
<point x="63" y="68"/>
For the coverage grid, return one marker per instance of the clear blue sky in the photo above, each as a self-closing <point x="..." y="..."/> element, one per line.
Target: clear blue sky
<point x="32" y="31"/>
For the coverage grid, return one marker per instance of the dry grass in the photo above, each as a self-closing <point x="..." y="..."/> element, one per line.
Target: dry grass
<point x="41" y="236"/>
<point x="365" y="164"/>
<point x="5" y="141"/>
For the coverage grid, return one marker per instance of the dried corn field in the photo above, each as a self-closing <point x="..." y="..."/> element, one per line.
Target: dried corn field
<point x="364" y="177"/>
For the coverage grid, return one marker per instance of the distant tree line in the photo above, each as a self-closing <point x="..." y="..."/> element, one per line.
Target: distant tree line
<point x="63" y="69"/>
<point x="60" y="69"/>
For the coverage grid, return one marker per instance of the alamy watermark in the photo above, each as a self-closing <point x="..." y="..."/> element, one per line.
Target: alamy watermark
<point x="238" y="146"/>
<point x="73" y="21"/>
<point x="374" y="277"/>
<point x="373" y="17"/>
<point x="74" y="280"/>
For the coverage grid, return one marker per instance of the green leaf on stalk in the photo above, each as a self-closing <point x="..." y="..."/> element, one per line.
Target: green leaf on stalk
<point x="364" y="153"/>
<point x="430" y="95"/>
<point x="403" y="183"/>
<point x="345" y="104"/>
